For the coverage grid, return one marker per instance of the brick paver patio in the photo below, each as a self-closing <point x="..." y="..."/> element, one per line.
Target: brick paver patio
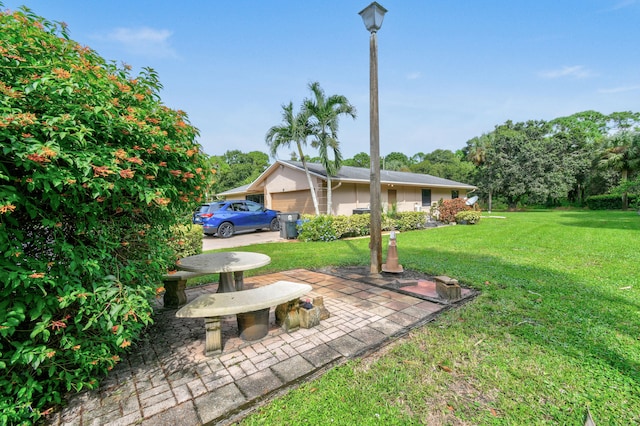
<point x="167" y="379"/>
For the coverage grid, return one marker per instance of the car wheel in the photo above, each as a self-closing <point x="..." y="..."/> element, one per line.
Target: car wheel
<point x="225" y="230"/>
<point x="275" y="224"/>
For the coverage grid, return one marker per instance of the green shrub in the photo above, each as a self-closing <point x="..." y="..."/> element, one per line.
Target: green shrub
<point x="407" y="221"/>
<point x="329" y="228"/>
<point x="468" y="216"/>
<point x="359" y="225"/>
<point x="185" y="240"/>
<point x="94" y="170"/>
<point x="317" y="228"/>
<point x="608" y="201"/>
<point x="447" y="209"/>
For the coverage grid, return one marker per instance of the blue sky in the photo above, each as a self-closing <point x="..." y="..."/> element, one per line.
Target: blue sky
<point x="448" y="70"/>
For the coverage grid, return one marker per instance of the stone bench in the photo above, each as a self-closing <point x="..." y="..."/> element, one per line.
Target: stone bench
<point x="174" y="288"/>
<point x="251" y="307"/>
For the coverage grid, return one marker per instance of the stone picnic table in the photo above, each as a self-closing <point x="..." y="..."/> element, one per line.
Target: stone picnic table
<point x="229" y="264"/>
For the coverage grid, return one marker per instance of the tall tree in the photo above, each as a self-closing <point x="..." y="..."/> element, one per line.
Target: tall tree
<point x="324" y="113"/>
<point x="294" y="130"/>
<point x="622" y="153"/>
<point x="361" y="159"/>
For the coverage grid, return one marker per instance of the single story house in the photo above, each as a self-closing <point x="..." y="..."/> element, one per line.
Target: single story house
<point x="284" y="187"/>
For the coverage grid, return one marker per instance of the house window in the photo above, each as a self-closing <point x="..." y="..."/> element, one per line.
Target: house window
<point x="257" y="198"/>
<point x="454" y="194"/>
<point x="426" y="197"/>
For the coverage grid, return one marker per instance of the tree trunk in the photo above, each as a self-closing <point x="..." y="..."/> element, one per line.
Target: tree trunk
<point x="625" y="194"/>
<point x="329" y="195"/>
<point x="311" y="188"/>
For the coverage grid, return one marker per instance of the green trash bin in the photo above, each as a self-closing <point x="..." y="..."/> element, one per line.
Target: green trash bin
<point x="291" y="229"/>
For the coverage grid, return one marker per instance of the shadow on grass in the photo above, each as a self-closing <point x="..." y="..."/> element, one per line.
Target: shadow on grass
<point x="546" y="308"/>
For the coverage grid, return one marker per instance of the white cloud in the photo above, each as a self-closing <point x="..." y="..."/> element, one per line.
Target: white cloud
<point x="576" y="71"/>
<point x="144" y="41"/>
<point x="622" y="4"/>
<point x="620" y="89"/>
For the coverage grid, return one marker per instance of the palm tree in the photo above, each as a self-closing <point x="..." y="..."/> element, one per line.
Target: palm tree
<point x="622" y="154"/>
<point x="294" y="129"/>
<point x="324" y="113"/>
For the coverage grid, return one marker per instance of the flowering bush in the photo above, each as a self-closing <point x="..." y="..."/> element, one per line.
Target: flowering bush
<point x="94" y="170"/>
<point x="447" y="209"/>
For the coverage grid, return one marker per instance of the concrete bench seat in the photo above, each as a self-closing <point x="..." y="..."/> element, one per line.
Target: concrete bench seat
<point x="174" y="288"/>
<point x="251" y="307"/>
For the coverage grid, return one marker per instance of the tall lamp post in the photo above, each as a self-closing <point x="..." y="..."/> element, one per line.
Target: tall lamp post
<point x="372" y="16"/>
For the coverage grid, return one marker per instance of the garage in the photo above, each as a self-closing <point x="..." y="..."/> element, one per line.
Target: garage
<point x="294" y="201"/>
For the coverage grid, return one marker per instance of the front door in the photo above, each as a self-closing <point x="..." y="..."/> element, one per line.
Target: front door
<point x="392" y="197"/>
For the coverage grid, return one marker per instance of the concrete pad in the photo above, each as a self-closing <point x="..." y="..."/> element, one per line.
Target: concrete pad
<point x="259" y="384"/>
<point x="219" y="402"/>
<point x="292" y="369"/>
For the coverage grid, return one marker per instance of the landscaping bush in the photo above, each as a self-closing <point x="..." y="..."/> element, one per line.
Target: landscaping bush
<point x="330" y="228"/>
<point x="407" y="221"/>
<point x="468" y="216"/>
<point x="449" y="208"/>
<point x="185" y="240"/>
<point x="608" y="201"/>
<point x="317" y="228"/>
<point x="94" y="170"/>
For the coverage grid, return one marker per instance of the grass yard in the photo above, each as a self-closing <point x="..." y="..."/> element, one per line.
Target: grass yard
<point x="555" y="330"/>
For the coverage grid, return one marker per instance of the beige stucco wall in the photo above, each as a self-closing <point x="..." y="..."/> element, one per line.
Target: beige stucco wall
<point x="349" y="196"/>
<point x="285" y="180"/>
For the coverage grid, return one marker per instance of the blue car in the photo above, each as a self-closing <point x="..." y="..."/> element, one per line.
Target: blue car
<point x="224" y="218"/>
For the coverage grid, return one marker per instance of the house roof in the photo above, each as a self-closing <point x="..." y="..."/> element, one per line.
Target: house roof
<point x="239" y="190"/>
<point x="362" y="175"/>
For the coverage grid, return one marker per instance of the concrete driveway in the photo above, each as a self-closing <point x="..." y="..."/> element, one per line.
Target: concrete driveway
<point x="241" y="239"/>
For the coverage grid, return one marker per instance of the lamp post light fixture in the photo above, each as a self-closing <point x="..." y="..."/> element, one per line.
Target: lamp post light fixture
<point x="372" y="16"/>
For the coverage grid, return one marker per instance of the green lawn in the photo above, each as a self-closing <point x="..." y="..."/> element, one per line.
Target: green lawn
<point x="555" y="330"/>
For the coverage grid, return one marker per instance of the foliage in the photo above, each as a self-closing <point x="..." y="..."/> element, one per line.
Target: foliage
<point x="235" y="168"/>
<point x="319" y="228"/>
<point x="554" y="330"/>
<point x="608" y="201"/>
<point x="330" y="228"/>
<point x="324" y="113"/>
<point x="469" y="216"/>
<point x="447" y="209"/>
<point x="295" y="129"/>
<point x="185" y="240"/>
<point x="445" y="164"/>
<point x="408" y="221"/>
<point x="93" y="171"/>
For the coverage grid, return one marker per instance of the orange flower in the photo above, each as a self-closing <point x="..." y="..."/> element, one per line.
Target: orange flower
<point x="127" y="174"/>
<point x="136" y="160"/>
<point x="125" y="343"/>
<point x="61" y="73"/>
<point x="115" y="328"/>
<point x="41" y="159"/>
<point x="120" y="153"/>
<point x="175" y="172"/>
<point x="162" y="201"/>
<point x="167" y="147"/>
<point x="101" y="171"/>
<point x="7" y="208"/>
<point x="139" y="96"/>
<point x="76" y="347"/>
<point x="50" y="354"/>
<point x="162" y="164"/>
<point x="37" y="275"/>
<point x="149" y="177"/>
